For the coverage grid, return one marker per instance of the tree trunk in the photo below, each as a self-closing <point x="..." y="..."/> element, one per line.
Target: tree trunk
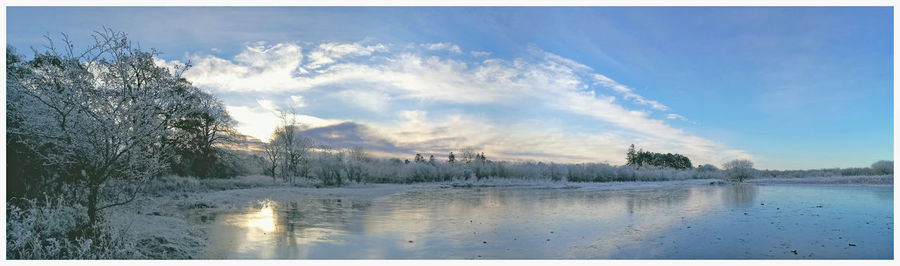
<point x="93" y="197"/>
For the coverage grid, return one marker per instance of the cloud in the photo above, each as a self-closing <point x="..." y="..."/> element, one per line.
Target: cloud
<point x="258" y="67"/>
<point x="259" y="121"/>
<point x="370" y="100"/>
<point x="443" y="46"/>
<point x="349" y="134"/>
<point x="628" y="92"/>
<point x="479" y="53"/>
<point x="443" y="103"/>
<point x="298" y="101"/>
<point x="676" y="116"/>
<point x="328" y="53"/>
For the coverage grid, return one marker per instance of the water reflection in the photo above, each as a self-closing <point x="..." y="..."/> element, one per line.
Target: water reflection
<point x="508" y="223"/>
<point x="263" y="220"/>
<point x="740" y="194"/>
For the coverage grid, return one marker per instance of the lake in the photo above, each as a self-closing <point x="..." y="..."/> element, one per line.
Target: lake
<point x="679" y="222"/>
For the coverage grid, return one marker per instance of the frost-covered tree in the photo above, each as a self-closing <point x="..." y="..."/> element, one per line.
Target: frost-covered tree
<point x="272" y="155"/>
<point x="883" y="167"/>
<point x="287" y="152"/>
<point x="739" y="169"/>
<point x="96" y="120"/>
<point x="419" y="158"/>
<point x="357" y="153"/>
<point x="468" y="154"/>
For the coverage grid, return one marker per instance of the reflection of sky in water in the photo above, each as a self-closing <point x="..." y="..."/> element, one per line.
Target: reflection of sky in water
<point x="510" y="223"/>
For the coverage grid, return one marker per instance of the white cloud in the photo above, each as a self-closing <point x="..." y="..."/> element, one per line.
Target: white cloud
<point x="443" y="46"/>
<point x="257" y="68"/>
<point x="540" y="81"/>
<point x="254" y="121"/>
<point x="328" y="53"/>
<point x="260" y="121"/>
<point x="628" y="92"/>
<point x="370" y="100"/>
<point x="298" y="101"/>
<point x="479" y="53"/>
<point x="676" y="116"/>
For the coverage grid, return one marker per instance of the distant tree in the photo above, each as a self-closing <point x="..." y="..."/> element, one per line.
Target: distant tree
<point x="357" y="153"/>
<point x="707" y="168"/>
<point x="419" y="158"/>
<point x="295" y="148"/>
<point x="883" y="167"/>
<point x="647" y="158"/>
<point x="406" y="161"/>
<point x="451" y="158"/>
<point x="631" y="156"/>
<point x="431" y="159"/>
<point x="468" y="154"/>
<point x="739" y="169"/>
<point x="272" y="156"/>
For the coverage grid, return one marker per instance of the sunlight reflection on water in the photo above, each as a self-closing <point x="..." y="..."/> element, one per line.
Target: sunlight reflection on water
<point x="263" y="220"/>
<point x="743" y="221"/>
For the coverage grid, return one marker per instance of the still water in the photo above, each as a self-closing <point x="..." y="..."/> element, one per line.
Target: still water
<point x="687" y="222"/>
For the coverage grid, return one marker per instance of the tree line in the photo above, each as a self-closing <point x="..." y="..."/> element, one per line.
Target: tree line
<point x="647" y="158"/>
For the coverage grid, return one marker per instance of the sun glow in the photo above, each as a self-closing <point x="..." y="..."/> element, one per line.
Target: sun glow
<point x="263" y="220"/>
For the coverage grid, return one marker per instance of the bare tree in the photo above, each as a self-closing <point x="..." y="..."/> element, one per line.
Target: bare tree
<point x="468" y="154"/>
<point x="353" y="163"/>
<point x="357" y="153"/>
<point x="739" y="169"/>
<point x="272" y="155"/>
<point x="287" y="153"/>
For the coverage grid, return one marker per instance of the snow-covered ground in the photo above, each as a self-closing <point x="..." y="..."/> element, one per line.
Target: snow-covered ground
<point x="160" y="220"/>
<point x="859" y="180"/>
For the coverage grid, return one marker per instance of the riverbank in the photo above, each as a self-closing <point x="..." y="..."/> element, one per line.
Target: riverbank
<point x="831" y="180"/>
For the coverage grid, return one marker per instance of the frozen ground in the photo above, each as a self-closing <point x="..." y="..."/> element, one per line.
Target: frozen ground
<point x="859" y="180"/>
<point x="183" y="223"/>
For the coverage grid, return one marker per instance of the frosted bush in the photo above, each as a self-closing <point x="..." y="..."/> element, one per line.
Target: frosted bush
<point x="54" y="229"/>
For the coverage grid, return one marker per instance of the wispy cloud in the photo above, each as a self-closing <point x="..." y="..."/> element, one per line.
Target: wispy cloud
<point x="627" y="92"/>
<point x="443" y="46"/>
<point x="479" y="53"/>
<point x="676" y="117"/>
<point x="298" y="101"/>
<point x="444" y="94"/>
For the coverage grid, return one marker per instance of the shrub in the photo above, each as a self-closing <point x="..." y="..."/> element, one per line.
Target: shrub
<point x="53" y="229"/>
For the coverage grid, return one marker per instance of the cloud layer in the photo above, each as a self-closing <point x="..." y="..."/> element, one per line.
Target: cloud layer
<point x="435" y="98"/>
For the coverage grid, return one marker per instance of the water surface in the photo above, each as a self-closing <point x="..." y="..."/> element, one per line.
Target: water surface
<point x="683" y="222"/>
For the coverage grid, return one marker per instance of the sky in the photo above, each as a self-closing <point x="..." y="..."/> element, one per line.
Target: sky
<point x="786" y="87"/>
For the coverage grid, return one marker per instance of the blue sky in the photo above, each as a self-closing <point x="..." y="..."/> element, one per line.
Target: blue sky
<point x="789" y="88"/>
